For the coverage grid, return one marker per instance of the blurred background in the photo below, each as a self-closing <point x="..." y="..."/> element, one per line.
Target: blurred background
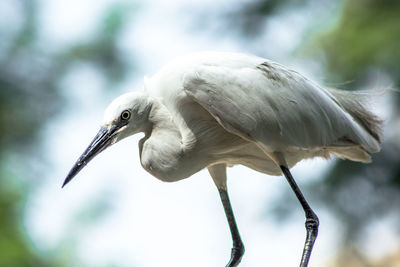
<point x="62" y="62"/>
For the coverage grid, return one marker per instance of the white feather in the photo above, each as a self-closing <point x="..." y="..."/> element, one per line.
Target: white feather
<point x="212" y="107"/>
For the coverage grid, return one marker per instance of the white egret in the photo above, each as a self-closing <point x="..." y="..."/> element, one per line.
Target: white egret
<point x="213" y="110"/>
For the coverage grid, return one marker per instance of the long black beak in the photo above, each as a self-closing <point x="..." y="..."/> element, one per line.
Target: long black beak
<point x="101" y="141"/>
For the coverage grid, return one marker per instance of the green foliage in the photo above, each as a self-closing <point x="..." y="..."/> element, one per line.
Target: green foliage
<point x="30" y="98"/>
<point x="102" y="50"/>
<point x="15" y="249"/>
<point x="250" y="17"/>
<point x="367" y="35"/>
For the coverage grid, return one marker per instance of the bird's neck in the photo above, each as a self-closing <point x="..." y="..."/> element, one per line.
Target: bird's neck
<point x="160" y="119"/>
<point x="161" y="128"/>
<point x="161" y="149"/>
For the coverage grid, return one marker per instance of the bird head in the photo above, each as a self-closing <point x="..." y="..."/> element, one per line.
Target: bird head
<point x="125" y="116"/>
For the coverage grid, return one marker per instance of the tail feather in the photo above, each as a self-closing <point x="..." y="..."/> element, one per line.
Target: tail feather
<point x="354" y="103"/>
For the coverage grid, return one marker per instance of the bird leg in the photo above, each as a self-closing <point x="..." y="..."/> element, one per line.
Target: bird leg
<point x="218" y="173"/>
<point x="238" y="247"/>
<point x="312" y="221"/>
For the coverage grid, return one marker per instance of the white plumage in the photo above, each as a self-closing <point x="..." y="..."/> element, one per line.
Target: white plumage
<point x="214" y="109"/>
<point x="232" y="108"/>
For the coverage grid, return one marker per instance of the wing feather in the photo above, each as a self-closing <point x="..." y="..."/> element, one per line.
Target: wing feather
<point x="274" y="106"/>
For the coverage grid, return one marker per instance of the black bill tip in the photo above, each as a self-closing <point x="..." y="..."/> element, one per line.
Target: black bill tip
<point x="100" y="142"/>
<point x="66" y="181"/>
<point x="74" y="171"/>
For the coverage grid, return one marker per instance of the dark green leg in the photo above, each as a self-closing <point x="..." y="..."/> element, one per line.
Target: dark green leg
<point x="238" y="248"/>
<point x="312" y="221"/>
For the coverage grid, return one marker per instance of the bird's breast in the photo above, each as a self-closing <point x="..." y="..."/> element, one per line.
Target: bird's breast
<point x="167" y="160"/>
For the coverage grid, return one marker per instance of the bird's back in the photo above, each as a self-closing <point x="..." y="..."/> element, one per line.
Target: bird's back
<point x="266" y="103"/>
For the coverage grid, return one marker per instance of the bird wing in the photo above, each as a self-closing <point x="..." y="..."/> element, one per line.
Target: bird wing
<point x="275" y="107"/>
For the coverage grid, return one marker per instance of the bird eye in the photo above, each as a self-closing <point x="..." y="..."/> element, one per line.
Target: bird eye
<point x="125" y="115"/>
